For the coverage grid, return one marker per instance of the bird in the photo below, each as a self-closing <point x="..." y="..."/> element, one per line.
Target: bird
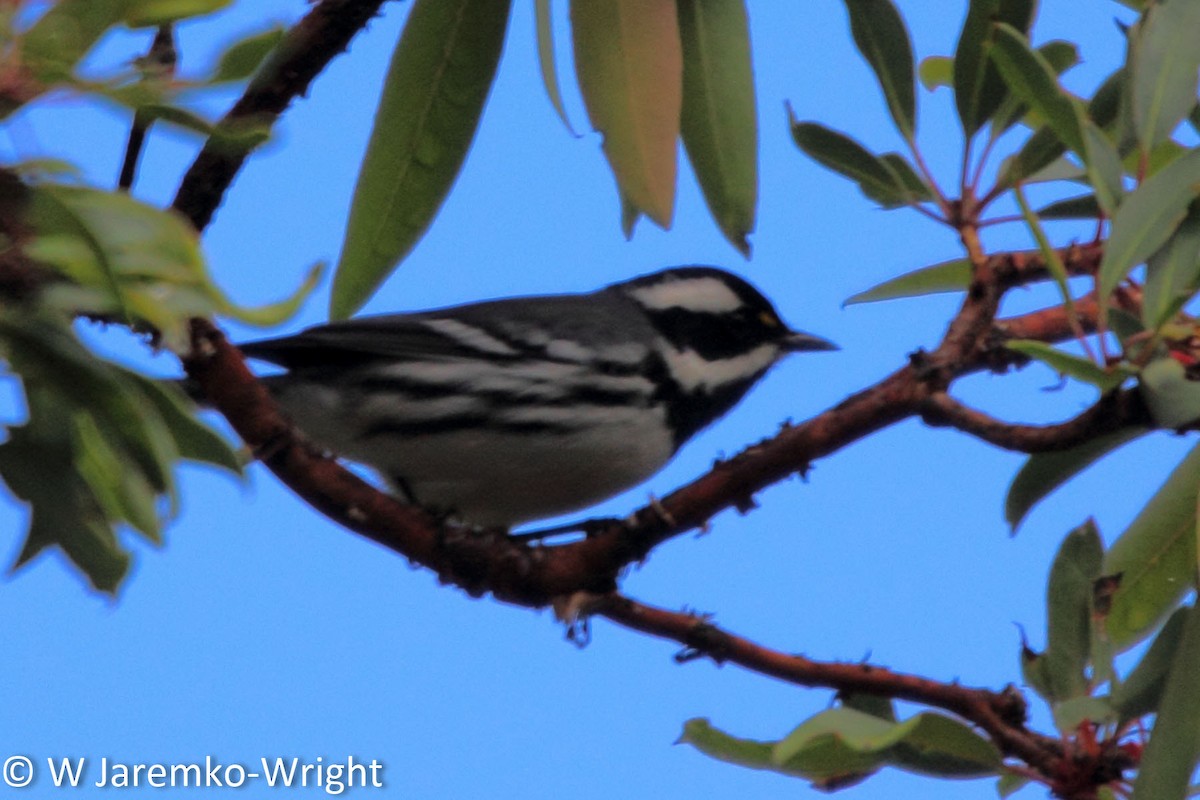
<point x="508" y="411"/>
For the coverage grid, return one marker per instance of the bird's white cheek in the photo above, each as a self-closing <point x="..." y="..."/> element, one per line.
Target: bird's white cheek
<point x="694" y="372"/>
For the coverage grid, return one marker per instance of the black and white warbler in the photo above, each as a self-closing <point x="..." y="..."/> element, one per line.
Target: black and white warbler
<point x="513" y="410"/>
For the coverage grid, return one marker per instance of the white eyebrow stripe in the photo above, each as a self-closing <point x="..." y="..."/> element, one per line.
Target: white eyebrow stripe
<point x="470" y="336"/>
<point x="693" y="294"/>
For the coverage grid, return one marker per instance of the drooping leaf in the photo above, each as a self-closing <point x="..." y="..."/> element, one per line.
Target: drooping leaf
<point x="1155" y="556"/>
<point x="719" y="121"/>
<point x="700" y="733"/>
<point x="629" y="61"/>
<point x="947" y="276"/>
<point x="1163" y="69"/>
<point x="1072" y="366"/>
<point x="1147" y="218"/>
<point x="838" y="152"/>
<point x="978" y="88"/>
<point x="882" y="38"/>
<point x="1170" y="757"/>
<point x="1172" y="273"/>
<point x="1043" y="473"/>
<point x="1141" y="692"/>
<point x="127" y="258"/>
<point x="439" y="77"/>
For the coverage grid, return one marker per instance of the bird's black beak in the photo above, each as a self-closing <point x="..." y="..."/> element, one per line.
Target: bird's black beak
<point x="798" y="341"/>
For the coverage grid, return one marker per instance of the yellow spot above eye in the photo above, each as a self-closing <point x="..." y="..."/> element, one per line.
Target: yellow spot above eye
<point x="769" y="319"/>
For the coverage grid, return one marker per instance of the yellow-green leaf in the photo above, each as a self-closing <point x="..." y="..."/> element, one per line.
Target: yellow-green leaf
<point x="629" y="60"/>
<point x="546" y="60"/>
<point x="947" y="276"/>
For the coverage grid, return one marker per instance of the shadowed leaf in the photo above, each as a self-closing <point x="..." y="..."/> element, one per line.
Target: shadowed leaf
<point x="720" y="121"/>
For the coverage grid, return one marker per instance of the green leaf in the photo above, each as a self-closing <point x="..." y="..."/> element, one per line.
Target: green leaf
<point x="1040" y="150"/>
<point x="917" y="189"/>
<point x="194" y="440"/>
<point x="1155" y="556"/>
<point x="439" y="77"/>
<point x="883" y="40"/>
<point x="63" y="35"/>
<point x="1043" y="473"/>
<point x="1054" y="263"/>
<point x="243" y="58"/>
<point x="629" y="61"/>
<point x="1061" y="56"/>
<point x="1103" y="167"/>
<point x="700" y="733"/>
<point x="37" y="463"/>
<point x="1141" y="693"/>
<point x="874" y="175"/>
<point x="1010" y="783"/>
<point x="978" y="88"/>
<point x="1072" y="366"/>
<point x="947" y="276"/>
<point x="1170" y="757"/>
<point x="1070" y="714"/>
<point x="936" y="71"/>
<point x="1081" y="207"/>
<point x="1031" y="78"/>
<point x="1163" y="69"/>
<point x="150" y="13"/>
<point x="131" y="259"/>
<point x="1172" y="397"/>
<point x="1147" y="218"/>
<point x="546" y="61"/>
<point x="1068" y="613"/>
<point x="1173" y="272"/>
<point x="844" y="741"/>
<point x="720" y="122"/>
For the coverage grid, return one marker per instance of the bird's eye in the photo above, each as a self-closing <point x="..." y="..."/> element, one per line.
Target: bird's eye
<point x="768" y="319"/>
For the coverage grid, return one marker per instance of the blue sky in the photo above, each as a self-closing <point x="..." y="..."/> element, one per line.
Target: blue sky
<point x="260" y="629"/>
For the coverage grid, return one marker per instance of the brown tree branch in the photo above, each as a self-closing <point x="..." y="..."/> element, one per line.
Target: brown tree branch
<point x="1000" y="714"/>
<point x="304" y="52"/>
<point x="1112" y="412"/>
<point x="534" y="576"/>
<point x="513" y="571"/>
